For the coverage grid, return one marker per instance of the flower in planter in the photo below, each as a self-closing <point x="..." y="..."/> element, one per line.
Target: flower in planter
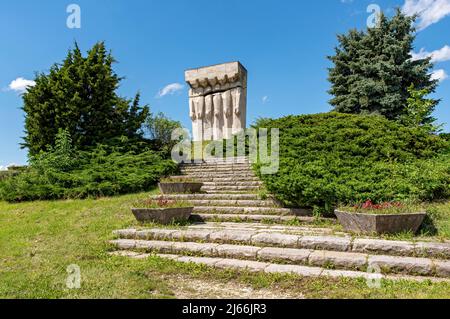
<point x="370" y="207"/>
<point x="382" y="218"/>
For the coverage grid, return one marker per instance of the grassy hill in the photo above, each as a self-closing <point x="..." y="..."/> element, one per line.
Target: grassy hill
<point x="39" y="240"/>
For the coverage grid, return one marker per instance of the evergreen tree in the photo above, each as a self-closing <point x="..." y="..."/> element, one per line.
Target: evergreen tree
<point x="373" y="70"/>
<point x="79" y="95"/>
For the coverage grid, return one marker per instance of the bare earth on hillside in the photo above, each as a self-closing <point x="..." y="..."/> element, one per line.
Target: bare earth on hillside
<point x="189" y="288"/>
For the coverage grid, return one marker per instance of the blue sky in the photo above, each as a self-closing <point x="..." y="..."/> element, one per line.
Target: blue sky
<point x="282" y="43"/>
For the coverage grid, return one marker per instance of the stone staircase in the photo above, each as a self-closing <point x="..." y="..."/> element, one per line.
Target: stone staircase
<point x="227" y="233"/>
<point x="231" y="194"/>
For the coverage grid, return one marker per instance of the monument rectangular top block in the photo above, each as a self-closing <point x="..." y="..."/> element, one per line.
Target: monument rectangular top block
<point x="221" y="72"/>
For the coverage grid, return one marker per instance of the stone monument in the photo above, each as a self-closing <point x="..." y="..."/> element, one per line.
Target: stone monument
<point x="217" y="100"/>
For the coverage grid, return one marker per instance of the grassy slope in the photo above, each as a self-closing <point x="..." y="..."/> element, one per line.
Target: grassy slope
<point x="39" y="240"/>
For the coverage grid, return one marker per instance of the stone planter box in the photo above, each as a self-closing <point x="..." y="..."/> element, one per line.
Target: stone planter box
<point x="180" y="188"/>
<point x="162" y="215"/>
<point x="380" y="224"/>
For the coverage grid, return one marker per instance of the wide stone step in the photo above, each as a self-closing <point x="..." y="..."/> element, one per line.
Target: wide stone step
<point x="207" y="197"/>
<point x="235" y="160"/>
<point x="230" y="188"/>
<point x="220" y="192"/>
<point x="271" y="268"/>
<point x="260" y="210"/>
<point x="221" y="175"/>
<point x="235" y="183"/>
<point x="231" y="179"/>
<point x="271" y="228"/>
<point x="220" y="203"/>
<point x="286" y="239"/>
<point x="307" y="257"/>
<point x="216" y="166"/>
<point x="216" y="171"/>
<point x="197" y="217"/>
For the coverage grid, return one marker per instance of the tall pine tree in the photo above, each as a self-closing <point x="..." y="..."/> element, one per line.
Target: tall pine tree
<point x="79" y="95"/>
<point x="373" y="70"/>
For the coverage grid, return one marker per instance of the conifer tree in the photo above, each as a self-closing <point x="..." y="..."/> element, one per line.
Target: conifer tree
<point x="373" y="69"/>
<point x="79" y="95"/>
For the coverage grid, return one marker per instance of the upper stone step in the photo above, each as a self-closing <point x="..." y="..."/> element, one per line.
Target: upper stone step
<point x="234" y="183"/>
<point x="220" y="175"/>
<point x="230" y="160"/>
<point x="218" y="170"/>
<point x="259" y="210"/>
<point x="182" y="197"/>
<point x="246" y="203"/>
<point x="246" y="217"/>
<point x="230" y="188"/>
<point x="231" y="178"/>
<point x="218" y="166"/>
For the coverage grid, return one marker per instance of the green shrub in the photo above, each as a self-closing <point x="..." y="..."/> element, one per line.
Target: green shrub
<point x="332" y="158"/>
<point x="104" y="171"/>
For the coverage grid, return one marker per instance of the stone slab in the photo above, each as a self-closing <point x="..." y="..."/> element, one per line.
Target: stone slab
<point x="207" y="248"/>
<point x="439" y="250"/>
<point x="442" y="268"/>
<point x="226" y="236"/>
<point x="199" y="260"/>
<point x="192" y="234"/>
<point x="380" y="246"/>
<point x="242" y="264"/>
<point x="409" y="265"/>
<point x="155" y="234"/>
<point x="294" y="269"/>
<point x="277" y="239"/>
<point x="158" y="246"/>
<point x="125" y="233"/>
<point x="235" y="251"/>
<point x="284" y="254"/>
<point x="339" y="259"/>
<point x="325" y="243"/>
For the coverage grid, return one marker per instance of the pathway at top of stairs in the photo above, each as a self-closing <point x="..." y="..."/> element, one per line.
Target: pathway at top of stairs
<point x="230" y="233"/>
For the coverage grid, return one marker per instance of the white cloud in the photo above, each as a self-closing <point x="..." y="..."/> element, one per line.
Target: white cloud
<point x="20" y="85"/>
<point x="170" y="89"/>
<point x="429" y="11"/>
<point x="440" y="75"/>
<point x="440" y="55"/>
<point x="265" y="99"/>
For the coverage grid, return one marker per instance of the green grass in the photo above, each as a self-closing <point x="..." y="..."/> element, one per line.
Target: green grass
<point x="39" y="240"/>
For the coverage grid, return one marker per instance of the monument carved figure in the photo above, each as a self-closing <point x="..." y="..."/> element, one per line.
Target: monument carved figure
<point x="217" y="100"/>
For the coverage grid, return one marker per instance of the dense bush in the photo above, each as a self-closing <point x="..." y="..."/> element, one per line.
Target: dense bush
<point x="332" y="158"/>
<point x="64" y="172"/>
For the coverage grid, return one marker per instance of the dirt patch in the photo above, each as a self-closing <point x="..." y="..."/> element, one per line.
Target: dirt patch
<point x="189" y="288"/>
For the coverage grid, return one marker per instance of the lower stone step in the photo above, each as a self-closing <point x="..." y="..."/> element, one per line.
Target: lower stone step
<point x="221" y="175"/>
<point x="249" y="218"/>
<point x="207" y="197"/>
<point x="230" y="188"/>
<point x="233" y="179"/>
<point x="328" y="259"/>
<point x="233" y="183"/>
<point x="288" y="237"/>
<point x="239" y="204"/>
<point x="261" y="210"/>
<point x="230" y="192"/>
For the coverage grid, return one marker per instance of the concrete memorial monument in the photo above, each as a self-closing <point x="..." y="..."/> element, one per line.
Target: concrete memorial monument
<point x="217" y="100"/>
